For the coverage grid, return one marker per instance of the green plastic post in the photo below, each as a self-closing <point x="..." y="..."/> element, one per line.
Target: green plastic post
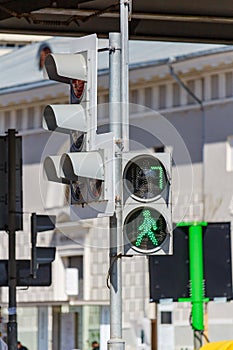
<point x="197" y="292"/>
<point x="196" y="276"/>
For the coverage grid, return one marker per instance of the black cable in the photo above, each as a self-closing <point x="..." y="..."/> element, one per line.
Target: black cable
<point x="197" y="338"/>
<point x="115" y="257"/>
<point x="205" y="336"/>
<point x="190" y="319"/>
<point x="202" y="333"/>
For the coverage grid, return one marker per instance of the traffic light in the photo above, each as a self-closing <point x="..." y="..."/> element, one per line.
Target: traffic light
<point x="147" y="223"/>
<point x="91" y="176"/>
<point x="41" y="255"/>
<point x="7" y="169"/>
<point x="88" y="165"/>
<point x="78" y="70"/>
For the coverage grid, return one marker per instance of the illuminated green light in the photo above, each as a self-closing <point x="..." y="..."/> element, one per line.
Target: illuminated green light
<point x="160" y="169"/>
<point x="146" y="228"/>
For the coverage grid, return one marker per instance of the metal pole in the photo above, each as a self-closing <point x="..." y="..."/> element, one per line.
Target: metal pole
<point x="116" y="342"/>
<point x="33" y="266"/>
<point x="12" y="324"/>
<point x="124" y="26"/>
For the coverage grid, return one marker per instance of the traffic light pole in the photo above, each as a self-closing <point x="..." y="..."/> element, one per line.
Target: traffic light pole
<point x="124" y="26"/>
<point x="197" y="291"/>
<point x="12" y="324"/>
<point x="33" y="245"/>
<point x="116" y="342"/>
<point x="119" y="125"/>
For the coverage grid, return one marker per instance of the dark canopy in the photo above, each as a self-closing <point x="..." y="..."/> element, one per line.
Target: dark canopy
<point x="172" y="20"/>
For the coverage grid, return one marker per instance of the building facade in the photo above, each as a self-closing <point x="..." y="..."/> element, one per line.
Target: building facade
<point x="194" y="123"/>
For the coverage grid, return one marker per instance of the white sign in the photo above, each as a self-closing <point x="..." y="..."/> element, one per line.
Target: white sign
<point x="72" y="281"/>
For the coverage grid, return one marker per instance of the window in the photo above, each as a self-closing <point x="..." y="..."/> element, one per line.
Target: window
<point x="31" y="114"/>
<point x="166" y="317"/>
<point x="228" y="80"/>
<point x="175" y="95"/>
<point x="133" y="96"/>
<point x="162" y="96"/>
<point x="229" y="153"/>
<point x="191" y="86"/>
<point x="7" y="116"/>
<point x="77" y="262"/>
<point x="214" y="87"/>
<point x="148" y="97"/>
<point x="19" y="116"/>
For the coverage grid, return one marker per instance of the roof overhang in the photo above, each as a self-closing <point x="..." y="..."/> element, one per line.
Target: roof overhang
<point x="170" y="20"/>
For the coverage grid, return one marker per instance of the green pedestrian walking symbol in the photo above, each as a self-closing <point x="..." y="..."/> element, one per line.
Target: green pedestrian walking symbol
<point x="147" y="229"/>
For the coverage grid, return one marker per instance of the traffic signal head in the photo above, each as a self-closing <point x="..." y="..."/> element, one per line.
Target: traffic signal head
<point x="78" y="69"/>
<point x="90" y="175"/>
<point x="59" y="118"/>
<point x="41" y="255"/>
<point x="66" y="68"/>
<point x="85" y="172"/>
<point x="70" y="69"/>
<point x="147" y="225"/>
<point x="87" y="166"/>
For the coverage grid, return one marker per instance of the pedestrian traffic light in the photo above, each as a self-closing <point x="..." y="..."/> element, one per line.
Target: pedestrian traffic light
<point x="88" y="165"/>
<point x="147" y="223"/>
<point x="41" y="255"/>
